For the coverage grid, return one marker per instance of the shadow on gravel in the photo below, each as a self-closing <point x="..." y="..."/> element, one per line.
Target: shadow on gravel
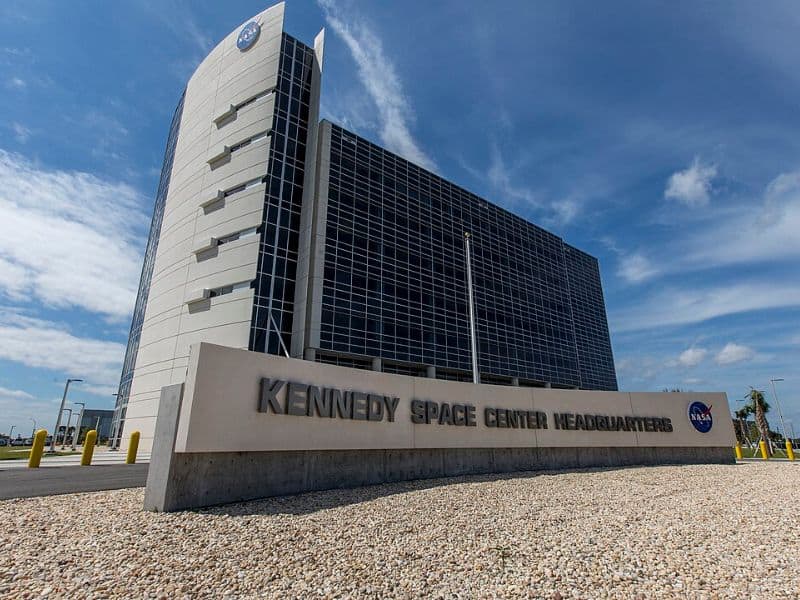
<point x="311" y="502"/>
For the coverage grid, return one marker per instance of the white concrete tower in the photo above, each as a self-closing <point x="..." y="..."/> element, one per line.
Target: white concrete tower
<point x="207" y="257"/>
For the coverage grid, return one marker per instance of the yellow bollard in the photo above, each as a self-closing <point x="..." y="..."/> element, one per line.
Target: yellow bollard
<point x="35" y="457"/>
<point x="789" y="450"/>
<point x="763" y="446"/>
<point x="88" y="447"/>
<point x="738" y="449"/>
<point x="133" y="447"/>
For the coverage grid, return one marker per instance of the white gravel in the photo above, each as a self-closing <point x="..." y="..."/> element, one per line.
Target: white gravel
<point x="658" y="532"/>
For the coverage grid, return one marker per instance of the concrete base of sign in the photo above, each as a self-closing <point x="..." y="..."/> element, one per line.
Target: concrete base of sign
<point x="179" y="481"/>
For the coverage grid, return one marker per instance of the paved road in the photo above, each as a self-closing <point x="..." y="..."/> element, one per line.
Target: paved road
<point x="26" y="483"/>
<point x="102" y="456"/>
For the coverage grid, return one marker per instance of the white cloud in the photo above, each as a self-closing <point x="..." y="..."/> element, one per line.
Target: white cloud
<point x="691" y="357"/>
<point x="675" y="306"/>
<point x="379" y="77"/>
<point x="101" y="390"/>
<point x="16" y="394"/>
<point x="758" y="232"/>
<point x="21" y="133"/>
<point x="16" y="83"/>
<point x="733" y="353"/>
<point x="636" y="268"/>
<point x="18" y="407"/>
<point x="47" y="345"/>
<point x="691" y="186"/>
<point x="69" y="238"/>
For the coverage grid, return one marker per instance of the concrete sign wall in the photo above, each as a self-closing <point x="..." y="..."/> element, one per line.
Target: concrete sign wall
<point x="248" y="425"/>
<point x="336" y="408"/>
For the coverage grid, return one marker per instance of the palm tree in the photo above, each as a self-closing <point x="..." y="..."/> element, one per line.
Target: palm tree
<point x="742" y="415"/>
<point x="760" y="407"/>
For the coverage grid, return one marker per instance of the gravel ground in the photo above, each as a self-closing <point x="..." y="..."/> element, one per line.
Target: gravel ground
<point x="658" y="532"/>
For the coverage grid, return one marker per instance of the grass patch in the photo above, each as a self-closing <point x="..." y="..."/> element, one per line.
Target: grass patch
<point x="780" y="452"/>
<point x="23" y="452"/>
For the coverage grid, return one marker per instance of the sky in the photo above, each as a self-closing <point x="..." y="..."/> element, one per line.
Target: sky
<point x="660" y="137"/>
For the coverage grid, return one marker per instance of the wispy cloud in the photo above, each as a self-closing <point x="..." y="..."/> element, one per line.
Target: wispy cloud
<point x="762" y="231"/>
<point x="69" y="238"/>
<point x="733" y="353"/>
<point x="693" y="185"/>
<point x="564" y="211"/>
<point x="379" y="77"/>
<point x="109" y="134"/>
<point x="21" y="133"/>
<point x="178" y="18"/>
<point x="16" y="394"/>
<point x="672" y="306"/>
<point x="18" y="408"/>
<point x="500" y="178"/>
<point x="46" y="344"/>
<point x="765" y="230"/>
<point x="13" y="56"/>
<point x="16" y="83"/>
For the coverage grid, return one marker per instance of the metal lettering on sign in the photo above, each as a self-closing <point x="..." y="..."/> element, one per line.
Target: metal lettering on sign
<point x="305" y="400"/>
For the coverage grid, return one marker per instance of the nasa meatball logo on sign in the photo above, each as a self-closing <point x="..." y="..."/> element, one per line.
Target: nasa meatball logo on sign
<point x="248" y="35"/>
<point x="700" y="417"/>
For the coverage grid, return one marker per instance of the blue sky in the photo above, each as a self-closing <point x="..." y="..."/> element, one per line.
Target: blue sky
<point x="660" y="137"/>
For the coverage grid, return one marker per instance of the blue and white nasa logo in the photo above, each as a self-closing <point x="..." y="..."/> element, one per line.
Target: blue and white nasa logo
<point x="700" y="417"/>
<point x="248" y="35"/>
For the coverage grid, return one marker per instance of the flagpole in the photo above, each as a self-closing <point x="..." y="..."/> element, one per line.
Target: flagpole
<point x="476" y="378"/>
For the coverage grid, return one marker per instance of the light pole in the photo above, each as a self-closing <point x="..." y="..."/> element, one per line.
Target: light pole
<point x="11" y="433"/>
<point x="66" y="428"/>
<point x="60" y="412"/>
<point x="476" y="378"/>
<point x="33" y="433"/>
<point x="80" y="420"/>
<point x="112" y="445"/>
<point x="778" y="404"/>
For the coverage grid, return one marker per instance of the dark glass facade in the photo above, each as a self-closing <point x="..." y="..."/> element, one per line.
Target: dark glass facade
<point x="390" y="280"/>
<point x="592" y="342"/>
<point x="277" y="261"/>
<point x="126" y="378"/>
<point x="395" y="279"/>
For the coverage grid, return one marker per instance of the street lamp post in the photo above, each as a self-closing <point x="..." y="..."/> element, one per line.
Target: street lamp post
<point x="11" y="433"/>
<point x="778" y="404"/>
<point x="66" y="428"/>
<point x="112" y="444"/>
<point x="80" y="420"/>
<point x="60" y="412"/>
<point x="473" y="342"/>
<point x="33" y="433"/>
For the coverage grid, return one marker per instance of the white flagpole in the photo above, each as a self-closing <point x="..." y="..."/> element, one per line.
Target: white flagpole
<point x="476" y="378"/>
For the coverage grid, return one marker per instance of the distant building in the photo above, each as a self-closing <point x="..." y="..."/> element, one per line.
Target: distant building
<point x="278" y="233"/>
<point x="99" y="420"/>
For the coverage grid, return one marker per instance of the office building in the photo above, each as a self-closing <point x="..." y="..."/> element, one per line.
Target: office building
<point x="278" y="233"/>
